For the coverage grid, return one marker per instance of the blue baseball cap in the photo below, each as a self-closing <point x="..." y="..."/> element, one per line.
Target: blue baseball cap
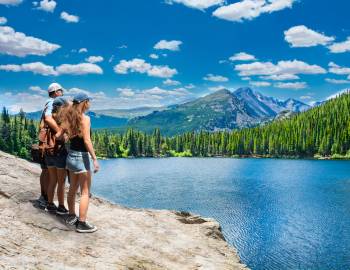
<point x="80" y="97"/>
<point x="59" y="101"/>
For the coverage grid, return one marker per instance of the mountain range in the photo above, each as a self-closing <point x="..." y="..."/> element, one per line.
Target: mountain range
<point x="221" y="110"/>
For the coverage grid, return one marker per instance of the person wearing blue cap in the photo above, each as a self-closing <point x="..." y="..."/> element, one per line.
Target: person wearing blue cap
<point x="80" y="156"/>
<point x="56" y="162"/>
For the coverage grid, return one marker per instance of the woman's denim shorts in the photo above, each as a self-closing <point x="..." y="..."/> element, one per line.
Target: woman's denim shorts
<point x="78" y="162"/>
<point x="58" y="161"/>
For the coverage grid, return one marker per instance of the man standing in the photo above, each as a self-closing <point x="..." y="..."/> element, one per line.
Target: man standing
<point x="54" y="90"/>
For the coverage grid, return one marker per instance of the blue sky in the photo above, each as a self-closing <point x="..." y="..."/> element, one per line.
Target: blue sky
<point x="160" y="52"/>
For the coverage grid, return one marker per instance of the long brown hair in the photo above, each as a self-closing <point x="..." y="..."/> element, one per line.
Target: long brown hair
<point x="71" y="117"/>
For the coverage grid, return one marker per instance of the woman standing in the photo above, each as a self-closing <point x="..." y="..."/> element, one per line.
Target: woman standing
<point x="78" y="127"/>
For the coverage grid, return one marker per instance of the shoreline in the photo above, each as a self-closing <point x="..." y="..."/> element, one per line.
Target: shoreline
<point x="128" y="238"/>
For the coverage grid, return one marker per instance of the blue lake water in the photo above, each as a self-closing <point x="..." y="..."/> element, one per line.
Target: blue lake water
<point x="279" y="214"/>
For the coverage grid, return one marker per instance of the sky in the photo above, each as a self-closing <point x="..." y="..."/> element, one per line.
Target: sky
<point x="134" y="53"/>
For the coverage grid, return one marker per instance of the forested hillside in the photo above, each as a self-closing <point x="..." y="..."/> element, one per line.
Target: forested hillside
<point x="321" y="131"/>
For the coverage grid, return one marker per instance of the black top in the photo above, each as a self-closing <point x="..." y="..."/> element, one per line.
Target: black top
<point x="77" y="144"/>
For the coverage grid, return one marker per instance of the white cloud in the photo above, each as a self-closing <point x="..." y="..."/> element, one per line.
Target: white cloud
<point x="38" y="90"/>
<point x="190" y="86"/>
<point x="281" y="77"/>
<point x="83" y="50"/>
<point x="260" y="84"/>
<point x="334" y="81"/>
<point x="216" y="88"/>
<point x="141" y="66"/>
<point x="79" y="69"/>
<point x="18" y="44"/>
<point x="245" y="78"/>
<point x="3" y="20"/>
<point x="47" y="5"/>
<point x="35" y="67"/>
<point x="290" y="85"/>
<point x="173" y="45"/>
<point x="69" y="18"/>
<point x="301" y="36"/>
<point x="336" y="69"/>
<point x="94" y="59"/>
<point x="242" y="56"/>
<point x="197" y="4"/>
<point x="282" y="67"/>
<point x="126" y="92"/>
<point x="305" y="97"/>
<point x="10" y="2"/>
<point x="43" y="69"/>
<point x="27" y="101"/>
<point x="154" y="56"/>
<point x="169" y="82"/>
<point x="123" y="46"/>
<point x="340" y="47"/>
<point x="215" y="78"/>
<point x="250" y="9"/>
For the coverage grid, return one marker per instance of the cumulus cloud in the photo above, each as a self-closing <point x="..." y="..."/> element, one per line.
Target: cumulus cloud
<point x="38" y="90"/>
<point x="46" y="70"/>
<point x="3" y="20"/>
<point x="141" y="66"/>
<point x="154" y="56"/>
<point x="216" y="88"/>
<point x="242" y="56"/>
<point x="47" y="5"/>
<point x="340" y="47"/>
<point x="190" y="86"/>
<point x="197" y="4"/>
<point x="281" y="77"/>
<point x="18" y="44"/>
<point x="79" y="69"/>
<point x="301" y="36"/>
<point x="335" y="81"/>
<point x="336" y="69"/>
<point x="215" y="78"/>
<point x="282" y="67"/>
<point x="10" y="2"/>
<point x="173" y="45"/>
<point x="83" y="50"/>
<point x="250" y="9"/>
<point x="35" y="67"/>
<point x="290" y="85"/>
<point x="169" y="82"/>
<point x="27" y="101"/>
<point x="94" y="59"/>
<point x="69" y="18"/>
<point x="260" y="84"/>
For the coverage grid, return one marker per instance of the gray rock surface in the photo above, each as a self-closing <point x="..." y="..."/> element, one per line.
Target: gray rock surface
<point x="127" y="238"/>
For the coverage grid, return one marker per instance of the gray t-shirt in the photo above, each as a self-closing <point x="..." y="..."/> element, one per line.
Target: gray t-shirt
<point x="49" y="106"/>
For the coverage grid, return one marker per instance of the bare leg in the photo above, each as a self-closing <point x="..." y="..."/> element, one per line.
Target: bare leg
<point x="44" y="182"/>
<point x="84" y="199"/>
<point x="61" y="177"/>
<point x="73" y="187"/>
<point x="52" y="184"/>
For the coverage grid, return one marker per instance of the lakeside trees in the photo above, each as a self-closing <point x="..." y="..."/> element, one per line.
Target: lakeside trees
<point x="323" y="131"/>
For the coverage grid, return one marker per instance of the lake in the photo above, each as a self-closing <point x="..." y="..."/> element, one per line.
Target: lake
<point x="279" y="214"/>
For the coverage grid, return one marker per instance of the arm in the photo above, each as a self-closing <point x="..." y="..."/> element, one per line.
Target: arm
<point x="87" y="140"/>
<point x="52" y="123"/>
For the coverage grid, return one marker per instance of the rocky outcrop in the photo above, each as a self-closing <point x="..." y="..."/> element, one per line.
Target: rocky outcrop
<point x="127" y="238"/>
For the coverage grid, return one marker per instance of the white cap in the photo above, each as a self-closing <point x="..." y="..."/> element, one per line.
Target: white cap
<point x="54" y="87"/>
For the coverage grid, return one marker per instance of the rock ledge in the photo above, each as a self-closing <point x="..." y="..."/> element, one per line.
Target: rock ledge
<point x="127" y="238"/>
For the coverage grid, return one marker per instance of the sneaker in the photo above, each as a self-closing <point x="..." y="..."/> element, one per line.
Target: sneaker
<point x="61" y="210"/>
<point x="72" y="220"/>
<point x="42" y="201"/>
<point x="84" y="227"/>
<point x="51" y="208"/>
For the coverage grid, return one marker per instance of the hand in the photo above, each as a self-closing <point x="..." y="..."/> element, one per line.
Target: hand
<point x="96" y="166"/>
